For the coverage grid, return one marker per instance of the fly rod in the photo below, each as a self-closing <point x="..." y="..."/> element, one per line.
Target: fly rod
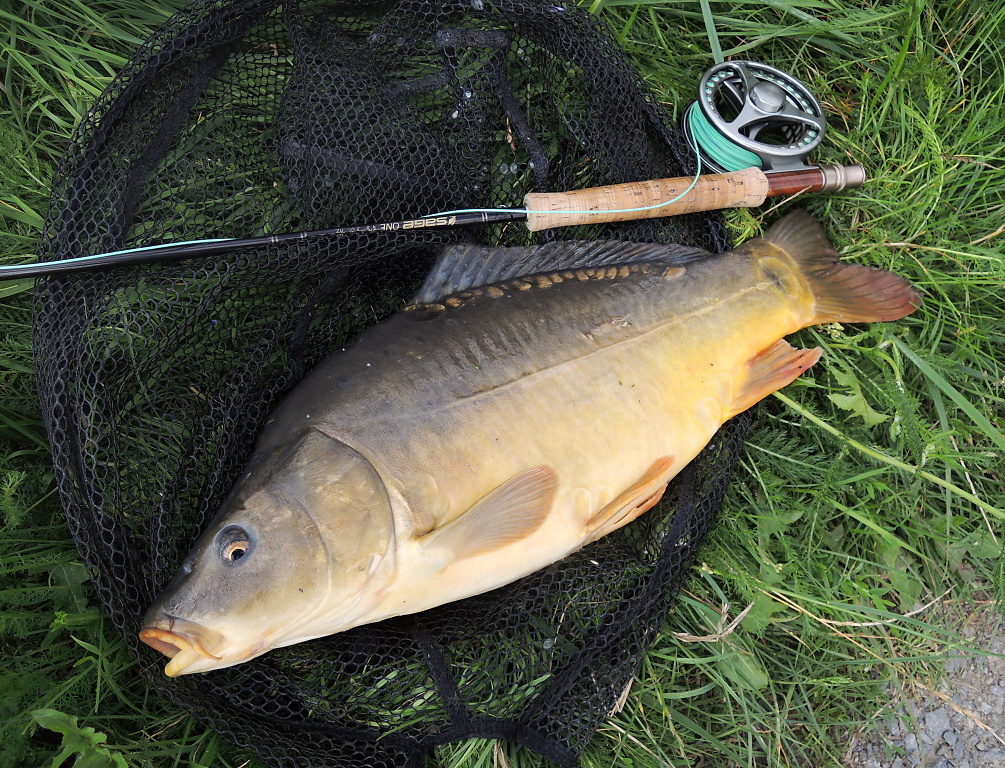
<point x="746" y="188"/>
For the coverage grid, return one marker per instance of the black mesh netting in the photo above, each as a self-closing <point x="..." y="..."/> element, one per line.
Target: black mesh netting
<point x="249" y="117"/>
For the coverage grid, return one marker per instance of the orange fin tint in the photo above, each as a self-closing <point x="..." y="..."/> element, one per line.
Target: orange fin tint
<point x="853" y="293"/>
<point x="640" y="497"/>
<point x="844" y="293"/>
<point x="770" y="370"/>
<point x="503" y="516"/>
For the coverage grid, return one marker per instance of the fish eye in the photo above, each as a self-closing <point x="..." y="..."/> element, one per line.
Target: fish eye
<point x="234" y="544"/>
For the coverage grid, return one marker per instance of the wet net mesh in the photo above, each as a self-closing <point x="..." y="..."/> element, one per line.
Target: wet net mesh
<point x="245" y="118"/>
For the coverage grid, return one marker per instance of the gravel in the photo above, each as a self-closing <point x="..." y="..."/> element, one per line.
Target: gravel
<point x="957" y="724"/>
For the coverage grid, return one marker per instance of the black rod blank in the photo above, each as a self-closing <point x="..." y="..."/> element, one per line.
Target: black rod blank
<point x="194" y="250"/>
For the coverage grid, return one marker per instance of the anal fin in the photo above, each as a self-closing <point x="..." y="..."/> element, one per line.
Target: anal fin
<point x="770" y="370"/>
<point x="505" y="515"/>
<point x="637" y="499"/>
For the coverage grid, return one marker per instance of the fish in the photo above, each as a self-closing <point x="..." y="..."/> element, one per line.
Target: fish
<point x="529" y="401"/>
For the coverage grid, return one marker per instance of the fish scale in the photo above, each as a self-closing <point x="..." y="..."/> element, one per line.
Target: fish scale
<point x="531" y="330"/>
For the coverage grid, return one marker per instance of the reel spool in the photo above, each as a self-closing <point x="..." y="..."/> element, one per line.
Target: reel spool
<point x="752" y="115"/>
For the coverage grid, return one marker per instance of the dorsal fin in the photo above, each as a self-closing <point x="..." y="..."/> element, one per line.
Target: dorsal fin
<point x="461" y="267"/>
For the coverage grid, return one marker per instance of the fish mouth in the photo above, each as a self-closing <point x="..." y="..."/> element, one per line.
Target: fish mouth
<point x="182" y="641"/>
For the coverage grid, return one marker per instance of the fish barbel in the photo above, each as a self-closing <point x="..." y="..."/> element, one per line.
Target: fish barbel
<point x="530" y="401"/>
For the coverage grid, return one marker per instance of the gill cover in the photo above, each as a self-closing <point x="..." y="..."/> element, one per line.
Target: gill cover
<point x="294" y="546"/>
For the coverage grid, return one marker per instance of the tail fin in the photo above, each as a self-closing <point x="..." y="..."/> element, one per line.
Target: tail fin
<point x="845" y="293"/>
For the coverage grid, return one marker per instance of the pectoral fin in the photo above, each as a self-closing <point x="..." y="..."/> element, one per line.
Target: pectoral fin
<point x="770" y="370"/>
<point x="505" y="515"/>
<point x="640" y="497"/>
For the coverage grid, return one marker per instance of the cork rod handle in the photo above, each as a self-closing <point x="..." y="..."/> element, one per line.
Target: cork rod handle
<point x="739" y="189"/>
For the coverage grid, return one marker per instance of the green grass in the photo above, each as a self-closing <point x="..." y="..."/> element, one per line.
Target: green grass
<point x="870" y="487"/>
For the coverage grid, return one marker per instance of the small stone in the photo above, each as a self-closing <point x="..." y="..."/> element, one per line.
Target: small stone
<point x="937" y="721"/>
<point x="911" y="743"/>
<point x="956" y="726"/>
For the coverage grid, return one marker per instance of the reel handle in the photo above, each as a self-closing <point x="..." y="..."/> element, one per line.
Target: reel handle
<point x="747" y="188"/>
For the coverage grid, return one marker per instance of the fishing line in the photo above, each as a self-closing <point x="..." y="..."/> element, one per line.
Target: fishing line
<point x="663" y="204"/>
<point x="724" y="153"/>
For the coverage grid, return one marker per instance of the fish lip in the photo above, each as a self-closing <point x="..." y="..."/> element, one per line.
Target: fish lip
<point x="164" y="639"/>
<point x="168" y="635"/>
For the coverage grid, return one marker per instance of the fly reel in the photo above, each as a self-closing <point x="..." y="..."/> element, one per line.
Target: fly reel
<point x="752" y="115"/>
